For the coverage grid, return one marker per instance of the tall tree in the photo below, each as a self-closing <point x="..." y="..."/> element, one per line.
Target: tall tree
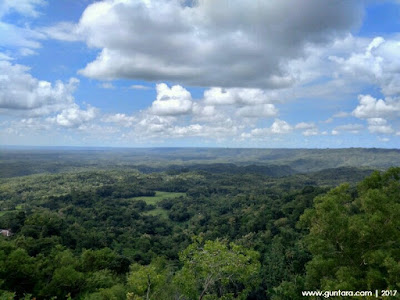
<point x="216" y="269"/>
<point x="355" y="236"/>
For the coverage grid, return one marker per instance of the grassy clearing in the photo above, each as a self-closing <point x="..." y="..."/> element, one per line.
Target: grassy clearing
<point x="158" y="211"/>
<point x="3" y="212"/>
<point x="159" y="196"/>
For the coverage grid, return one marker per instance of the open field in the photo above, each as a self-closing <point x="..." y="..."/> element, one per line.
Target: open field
<point x="158" y="197"/>
<point x="158" y="211"/>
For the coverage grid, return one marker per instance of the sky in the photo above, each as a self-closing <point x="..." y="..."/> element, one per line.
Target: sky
<point x="200" y="73"/>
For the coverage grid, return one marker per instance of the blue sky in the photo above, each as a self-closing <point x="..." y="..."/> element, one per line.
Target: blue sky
<point x="226" y="73"/>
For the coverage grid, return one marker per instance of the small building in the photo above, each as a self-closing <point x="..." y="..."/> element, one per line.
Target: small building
<point x="5" y="232"/>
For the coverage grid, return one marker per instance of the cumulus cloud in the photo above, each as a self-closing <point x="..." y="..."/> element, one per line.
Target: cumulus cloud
<point x="308" y="128"/>
<point x="256" y="111"/>
<point x="239" y="96"/>
<point x="249" y="103"/>
<point x="171" y="101"/>
<point x="370" y="107"/>
<point x="304" y="125"/>
<point x="208" y="113"/>
<point x="150" y="127"/>
<point x="73" y="116"/>
<point x="379" y="125"/>
<point x="377" y="64"/>
<point x="19" y="90"/>
<point x="217" y="106"/>
<point x="376" y="112"/>
<point x="220" y="112"/>
<point x="363" y="63"/>
<point x="280" y="127"/>
<point x="40" y="104"/>
<point x="207" y="43"/>
<point x="120" y="119"/>
<point x="310" y="132"/>
<point x="152" y="124"/>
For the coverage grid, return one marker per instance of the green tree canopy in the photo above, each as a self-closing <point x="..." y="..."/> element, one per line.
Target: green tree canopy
<point x="355" y="236"/>
<point x="217" y="270"/>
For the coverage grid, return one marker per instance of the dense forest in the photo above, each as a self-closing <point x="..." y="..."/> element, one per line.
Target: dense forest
<point x="197" y="223"/>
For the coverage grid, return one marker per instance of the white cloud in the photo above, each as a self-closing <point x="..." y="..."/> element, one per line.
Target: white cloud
<point x="248" y="103"/>
<point x="19" y="90"/>
<point x="310" y="132"/>
<point x="352" y="128"/>
<point x="280" y="127"/>
<point x="152" y="125"/>
<point x="377" y="63"/>
<point x="23" y="7"/>
<point x="26" y="52"/>
<point x="304" y="125"/>
<point x="239" y="96"/>
<point x="309" y="128"/>
<point x="327" y="121"/>
<point x="341" y="114"/>
<point x="223" y="43"/>
<point x="120" y="119"/>
<point x="19" y="37"/>
<point x="139" y="87"/>
<point x="184" y="131"/>
<point x="219" y="96"/>
<point x="65" y="31"/>
<point x="379" y="125"/>
<point x="208" y="113"/>
<point x="363" y="63"/>
<point x="4" y="56"/>
<point x="371" y="107"/>
<point x="256" y="111"/>
<point x="171" y="101"/>
<point x="73" y="116"/>
<point x="384" y="139"/>
<point x="107" y="85"/>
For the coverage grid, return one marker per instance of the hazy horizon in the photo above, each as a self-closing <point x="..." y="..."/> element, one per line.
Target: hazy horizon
<point x="185" y="147"/>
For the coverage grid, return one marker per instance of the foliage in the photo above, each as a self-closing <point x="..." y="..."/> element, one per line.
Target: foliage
<point x="218" y="270"/>
<point x="149" y="282"/>
<point x="354" y="236"/>
<point x="120" y="225"/>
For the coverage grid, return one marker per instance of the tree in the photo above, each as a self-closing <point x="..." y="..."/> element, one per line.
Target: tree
<point x="216" y="269"/>
<point x="148" y="282"/>
<point x="354" y="237"/>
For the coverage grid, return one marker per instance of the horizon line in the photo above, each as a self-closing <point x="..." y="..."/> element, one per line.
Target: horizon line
<point x="180" y="147"/>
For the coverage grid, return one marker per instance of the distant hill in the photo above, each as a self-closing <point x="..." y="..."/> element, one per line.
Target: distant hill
<point x="272" y="162"/>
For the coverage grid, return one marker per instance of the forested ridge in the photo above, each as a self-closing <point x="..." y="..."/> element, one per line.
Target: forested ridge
<point x="210" y="230"/>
